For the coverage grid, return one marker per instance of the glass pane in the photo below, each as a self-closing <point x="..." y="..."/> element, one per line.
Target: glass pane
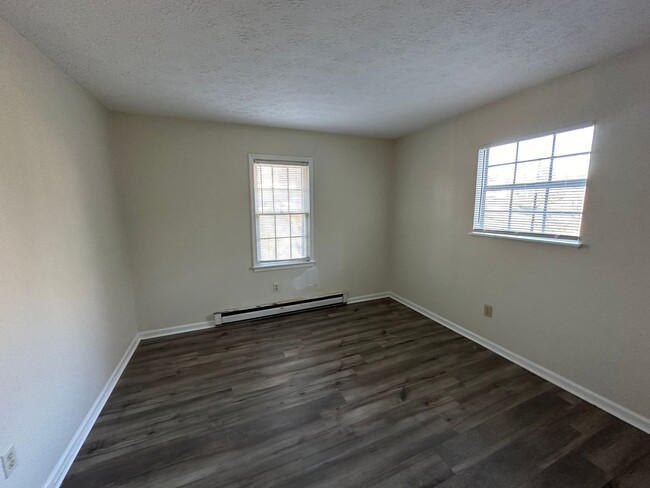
<point x="537" y="224"/>
<point x="571" y="167"/>
<point x="265" y="176"/>
<point x="295" y="177"/>
<point x="281" y="200"/>
<point x="506" y="153"/>
<point x="521" y="222"/>
<point x="566" y="224"/>
<point x="574" y="141"/>
<point x="266" y="226"/>
<point x="501" y="175"/>
<point x="266" y="201"/>
<point x="282" y="226"/>
<point x="298" y="248"/>
<point x="267" y="249"/>
<point x="298" y="225"/>
<point x="283" y="248"/>
<point x="528" y="200"/>
<point x="533" y="171"/>
<point x="538" y="148"/>
<point x="280" y="177"/>
<point x="495" y="220"/>
<point x="497" y="200"/>
<point x="566" y="199"/>
<point x="296" y="203"/>
<point x="258" y="202"/>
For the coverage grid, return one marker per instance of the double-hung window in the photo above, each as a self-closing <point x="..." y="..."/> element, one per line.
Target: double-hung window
<point x="281" y="204"/>
<point x="534" y="189"/>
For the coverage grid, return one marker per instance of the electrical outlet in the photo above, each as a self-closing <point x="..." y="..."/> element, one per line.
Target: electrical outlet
<point x="487" y="311"/>
<point x="9" y="461"/>
<point x="276" y="287"/>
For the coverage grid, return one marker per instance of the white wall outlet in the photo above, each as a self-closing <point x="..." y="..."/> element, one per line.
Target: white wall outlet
<point x="487" y="311"/>
<point x="9" y="461"/>
<point x="276" y="287"/>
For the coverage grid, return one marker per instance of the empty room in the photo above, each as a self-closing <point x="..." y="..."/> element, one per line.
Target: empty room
<point x="318" y="243"/>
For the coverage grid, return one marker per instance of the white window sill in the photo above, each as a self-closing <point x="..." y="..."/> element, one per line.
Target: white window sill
<point x="540" y="240"/>
<point x="285" y="265"/>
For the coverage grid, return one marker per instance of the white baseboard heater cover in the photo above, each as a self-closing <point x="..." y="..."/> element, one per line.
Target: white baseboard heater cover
<point x="279" y="308"/>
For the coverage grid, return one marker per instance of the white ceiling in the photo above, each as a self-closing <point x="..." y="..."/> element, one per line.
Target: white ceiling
<point x="375" y="67"/>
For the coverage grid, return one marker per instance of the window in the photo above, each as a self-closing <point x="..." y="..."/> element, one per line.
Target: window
<point x="282" y="222"/>
<point x="534" y="189"/>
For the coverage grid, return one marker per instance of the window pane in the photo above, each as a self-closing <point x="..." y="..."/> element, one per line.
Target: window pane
<point x="548" y="191"/>
<point x="506" y="153"/>
<point x="574" y="141"/>
<point x="266" y="176"/>
<point x="296" y="201"/>
<point x="527" y="199"/>
<point x="533" y="171"/>
<point x="281" y="200"/>
<point x="567" y="224"/>
<point x="537" y="224"/>
<point x="501" y="175"/>
<point x="295" y="177"/>
<point x="538" y="148"/>
<point x="266" y="226"/>
<point x="267" y="249"/>
<point x="571" y="167"/>
<point x="282" y="206"/>
<point x="566" y="199"/>
<point x="497" y="199"/>
<point x="298" y="248"/>
<point x="266" y="203"/>
<point x="282" y="226"/>
<point x="298" y="225"/>
<point x="521" y="222"/>
<point x="280" y="177"/>
<point x="496" y="220"/>
<point x="283" y="248"/>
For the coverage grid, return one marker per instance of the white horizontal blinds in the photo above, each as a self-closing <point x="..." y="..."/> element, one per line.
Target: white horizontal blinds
<point x="534" y="186"/>
<point x="282" y="209"/>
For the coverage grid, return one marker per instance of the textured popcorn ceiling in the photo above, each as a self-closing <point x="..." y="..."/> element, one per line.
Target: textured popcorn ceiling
<point x="377" y="67"/>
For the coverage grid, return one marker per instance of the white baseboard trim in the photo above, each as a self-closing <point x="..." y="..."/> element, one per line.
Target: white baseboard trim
<point x="177" y="329"/>
<point x="366" y="298"/>
<point x="623" y="413"/>
<point x="61" y="469"/>
<point x="74" y="446"/>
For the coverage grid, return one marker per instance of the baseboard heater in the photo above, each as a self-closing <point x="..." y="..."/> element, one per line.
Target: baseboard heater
<point x="279" y="308"/>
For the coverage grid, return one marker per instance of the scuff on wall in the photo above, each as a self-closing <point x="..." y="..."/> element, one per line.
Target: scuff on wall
<point x="310" y="277"/>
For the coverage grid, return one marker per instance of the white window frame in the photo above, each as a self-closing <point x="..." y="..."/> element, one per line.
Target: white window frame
<point x="479" y="204"/>
<point x="289" y="263"/>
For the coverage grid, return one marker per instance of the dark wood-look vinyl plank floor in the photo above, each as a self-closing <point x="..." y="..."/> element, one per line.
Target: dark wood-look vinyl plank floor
<point x="365" y="395"/>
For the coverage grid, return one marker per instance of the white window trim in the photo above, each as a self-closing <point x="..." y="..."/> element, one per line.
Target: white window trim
<point x="575" y="242"/>
<point x="287" y="264"/>
<point x="523" y="237"/>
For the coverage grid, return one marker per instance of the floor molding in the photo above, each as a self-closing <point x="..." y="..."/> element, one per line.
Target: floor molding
<point x="623" y="413"/>
<point x="74" y="446"/>
<point x="365" y="298"/>
<point x="177" y="329"/>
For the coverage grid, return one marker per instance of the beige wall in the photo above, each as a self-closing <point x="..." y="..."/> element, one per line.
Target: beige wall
<point x="67" y="311"/>
<point x="583" y="313"/>
<point x="66" y="308"/>
<point x="186" y="200"/>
